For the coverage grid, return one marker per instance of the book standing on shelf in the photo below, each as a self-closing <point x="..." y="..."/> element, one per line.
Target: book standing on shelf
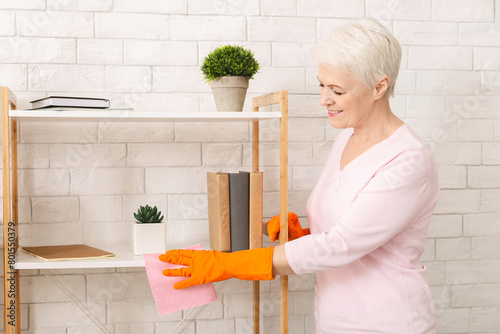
<point x="71" y="102"/>
<point x="256" y="208"/>
<point x="239" y="210"/>
<point x="218" y="211"/>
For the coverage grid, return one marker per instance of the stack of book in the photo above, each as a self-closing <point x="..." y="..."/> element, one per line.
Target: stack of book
<point x="235" y="210"/>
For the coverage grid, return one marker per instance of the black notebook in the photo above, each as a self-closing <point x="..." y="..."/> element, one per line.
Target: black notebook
<point x="68" y="101"/>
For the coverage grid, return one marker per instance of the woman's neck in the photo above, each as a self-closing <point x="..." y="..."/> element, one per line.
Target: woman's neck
<point x="381" y="124"/>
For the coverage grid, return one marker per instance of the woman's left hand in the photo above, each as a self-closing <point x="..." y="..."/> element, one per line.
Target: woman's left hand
<point x="295" y="231"/>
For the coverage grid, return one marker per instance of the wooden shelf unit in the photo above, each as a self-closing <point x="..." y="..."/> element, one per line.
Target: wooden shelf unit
<point x="15" y="260"/>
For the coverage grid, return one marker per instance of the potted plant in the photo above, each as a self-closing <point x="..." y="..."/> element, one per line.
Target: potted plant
<point x="149" y="235"/>
<point x="228" y="69"/>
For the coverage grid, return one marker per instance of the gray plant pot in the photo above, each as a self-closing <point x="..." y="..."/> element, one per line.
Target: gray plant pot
<point x="229" y="93"/>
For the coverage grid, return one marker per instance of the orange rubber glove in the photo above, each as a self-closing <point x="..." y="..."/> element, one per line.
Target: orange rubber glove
<point x="295" y="231"/>
<point x="213" y="266"/>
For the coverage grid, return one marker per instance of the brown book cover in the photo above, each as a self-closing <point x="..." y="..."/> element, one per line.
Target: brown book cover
<point x="256" y="209"/>
<point x="218" y="211"/>
<point x="67" y="252"/>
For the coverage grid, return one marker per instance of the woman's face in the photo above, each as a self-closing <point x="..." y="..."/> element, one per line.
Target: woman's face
<point x="347" y="100"/>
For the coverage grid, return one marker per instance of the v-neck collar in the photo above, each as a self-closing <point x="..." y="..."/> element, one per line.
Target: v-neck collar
<point x="377" y="145"/>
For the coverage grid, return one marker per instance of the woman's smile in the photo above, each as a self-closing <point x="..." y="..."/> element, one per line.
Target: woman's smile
<point x="334" y="113"/>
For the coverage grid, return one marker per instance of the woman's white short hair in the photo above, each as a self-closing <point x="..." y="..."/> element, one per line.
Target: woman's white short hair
<point x="365" y="49"/>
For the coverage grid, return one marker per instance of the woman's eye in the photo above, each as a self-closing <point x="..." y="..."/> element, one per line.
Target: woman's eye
<point x="331" y="88"/>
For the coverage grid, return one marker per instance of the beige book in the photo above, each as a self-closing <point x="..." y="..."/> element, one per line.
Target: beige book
<point x="218" y="211"/>
<point x="256" y="209"/>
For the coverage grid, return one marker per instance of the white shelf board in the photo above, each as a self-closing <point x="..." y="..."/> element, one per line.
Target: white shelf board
<point x="127" y="115"/>
<point x="125" y="259"/>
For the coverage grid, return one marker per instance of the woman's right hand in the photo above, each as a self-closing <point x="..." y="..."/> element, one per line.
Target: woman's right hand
<point x="295" y="231"/>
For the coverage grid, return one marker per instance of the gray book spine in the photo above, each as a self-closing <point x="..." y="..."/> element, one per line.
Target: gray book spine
<point x="239" y="184"/>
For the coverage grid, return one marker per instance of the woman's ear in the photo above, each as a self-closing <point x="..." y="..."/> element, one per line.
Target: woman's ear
<point x="381" y="87"/>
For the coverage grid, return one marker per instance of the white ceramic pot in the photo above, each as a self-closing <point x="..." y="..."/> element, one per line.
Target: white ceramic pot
<point x="149" y="238"/>
<point x="229" y="93"/>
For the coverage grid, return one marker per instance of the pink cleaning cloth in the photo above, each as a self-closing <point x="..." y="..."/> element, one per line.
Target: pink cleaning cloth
<point x="167" y="298"/>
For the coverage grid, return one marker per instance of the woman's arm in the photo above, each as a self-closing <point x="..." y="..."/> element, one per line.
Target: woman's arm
<point x="280" y="263"/>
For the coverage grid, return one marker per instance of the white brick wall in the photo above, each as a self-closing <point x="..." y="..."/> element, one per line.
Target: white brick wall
<point x="131" y="26"/>
<point x="61" y="78"/>
<point x="28" y="50"/>
<point x="55" y="24"/>
<point x="151" y="6"/>
<point x="463" y="11"/>
<point x="442" y="58"/>
<point x="81" y="182"/>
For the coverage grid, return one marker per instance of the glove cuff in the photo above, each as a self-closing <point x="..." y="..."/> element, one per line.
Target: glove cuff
<point x="252" y="265"/>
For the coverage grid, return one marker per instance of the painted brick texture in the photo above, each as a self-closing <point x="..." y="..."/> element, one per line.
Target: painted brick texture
<point x="81" y="182"/>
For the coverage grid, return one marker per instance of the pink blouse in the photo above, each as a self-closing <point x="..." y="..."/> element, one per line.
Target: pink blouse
<point x="368" y="225"/>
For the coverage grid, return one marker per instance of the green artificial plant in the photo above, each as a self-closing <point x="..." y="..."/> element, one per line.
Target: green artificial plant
<point x="148" y="215"/>
<point x="229" y="60"/>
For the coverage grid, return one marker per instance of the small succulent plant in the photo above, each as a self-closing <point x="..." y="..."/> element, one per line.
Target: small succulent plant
<point x="148" y="215"/>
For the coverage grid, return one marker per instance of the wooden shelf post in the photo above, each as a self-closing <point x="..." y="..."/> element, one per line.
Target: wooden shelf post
<point x="256" y="243"/>
<point x="280" y="98"/>
<point x="10" y="214"/>
<point x="283" y="101"/>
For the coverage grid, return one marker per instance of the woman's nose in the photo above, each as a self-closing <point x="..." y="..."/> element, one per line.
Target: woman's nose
<point x="326" y="99"/>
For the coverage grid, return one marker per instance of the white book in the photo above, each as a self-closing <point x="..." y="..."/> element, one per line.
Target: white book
<point x="68" y="101"/>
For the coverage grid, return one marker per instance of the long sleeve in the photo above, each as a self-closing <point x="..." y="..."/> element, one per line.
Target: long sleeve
<point x="399" y="194"/>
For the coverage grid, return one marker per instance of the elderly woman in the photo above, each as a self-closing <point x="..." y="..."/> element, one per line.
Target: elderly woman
<point x="369" y="211"/>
